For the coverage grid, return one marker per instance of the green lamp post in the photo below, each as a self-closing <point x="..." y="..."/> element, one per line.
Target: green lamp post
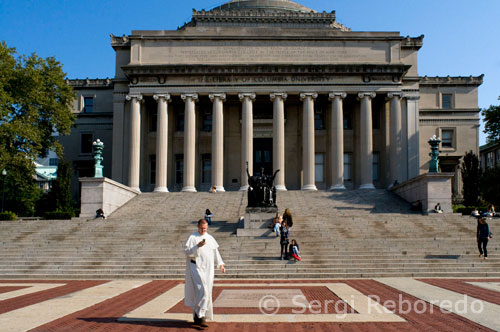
<point x="434" y="142"/>
<point x="98" y="148"/>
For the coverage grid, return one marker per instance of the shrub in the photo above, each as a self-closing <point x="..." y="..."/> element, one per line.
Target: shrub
<point x="458" y="208"/>
<point x="59" y="215"/>
<point x="8" y="215"/>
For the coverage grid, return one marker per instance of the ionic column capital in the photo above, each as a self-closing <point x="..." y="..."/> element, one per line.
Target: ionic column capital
<point x="333" y="95"/>
<point x="165" y="96"/>
<point x="221" y="96"/>
<point x="281" y="95"/>
<point x="192" y="96"/>
<point x="249" y="95"/>
<point x="412" y="97"/>
<point x="138" y="97"/>
<point x="398" y="94"/>
<point x="306" y="95"/>
<point x="370" y="95"/>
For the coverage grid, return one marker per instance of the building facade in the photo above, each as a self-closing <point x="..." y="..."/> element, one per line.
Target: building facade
<point x="489" y="156"/>
<point x="270" y="85"/>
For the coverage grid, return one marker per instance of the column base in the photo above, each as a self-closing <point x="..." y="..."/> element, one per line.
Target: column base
<point x="136" y="188"/>
<point x="220" y="189"/>
<point x="337" y="187"/>
<point x="161" y="190"/>
<point x="189" y="189"/>
<point x="244" y="188"/>
<point x="309" y="187"/>
<point x="280" y="187"/>
<point x="367" y="186"/>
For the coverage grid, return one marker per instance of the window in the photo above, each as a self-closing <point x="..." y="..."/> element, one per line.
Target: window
<point x="206" y="168"/>
<point x="347" y="119"/>
<point x="53" y="161"/>
<point x="347" y="166"/>
<point x="179" y="121"/>
<point x="179" y="169"/>
<point x="207" y="121"/>
<point x="447" y="138"/>
<point x="86" y="143"/>
<point x="319" y="119"/>
<point x="376" y="166"/>
<point x="319" y="167"/>
<point x="88" y="104"/>
<point x="152" y="168"/>
<point x="446" y="101"/>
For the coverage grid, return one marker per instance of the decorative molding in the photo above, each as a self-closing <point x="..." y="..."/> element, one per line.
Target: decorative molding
<point x="221" y="96"/>
<point x="192" y="96"/>
<point x="370" y="95"/>
<point x="413" y="43"/>
<point x="333" y="95"/>
<point x="452" y="80"/>
<point x="244" y="95"/>
<point x="391" y="95"/>
<point x="138" y="97"/>
<point x="119" y="42"/>
<point x="281" y="95"/>
<point x="165" y="96"/>
<point x="305" y="95"/>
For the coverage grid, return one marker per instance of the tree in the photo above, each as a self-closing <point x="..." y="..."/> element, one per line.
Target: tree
<point x="35" y="103"/>
<point x="471" y="177"/>
<point x="490" y="186"/>
<point x="491" y="117"/>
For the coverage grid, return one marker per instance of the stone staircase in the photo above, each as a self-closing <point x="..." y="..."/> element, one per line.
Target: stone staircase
<point x="351" y="234"/>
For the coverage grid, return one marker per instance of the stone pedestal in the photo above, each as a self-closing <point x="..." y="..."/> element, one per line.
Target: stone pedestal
<point x="257" y="221"/>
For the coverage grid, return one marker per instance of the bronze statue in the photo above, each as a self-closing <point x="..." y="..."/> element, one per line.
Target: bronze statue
<point x="261" y="190"/>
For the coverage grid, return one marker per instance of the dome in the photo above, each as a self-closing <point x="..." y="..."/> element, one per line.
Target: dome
<point x="277" y="5"/>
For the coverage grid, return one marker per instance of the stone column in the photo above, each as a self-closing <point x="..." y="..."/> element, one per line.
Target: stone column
<point x="395" y="138"/>
<point x="247" y="100"/>
<point x="413" y="157"/>
<point x="337" y="140"/>
<point x="218" y="141"/>
<point x="366" y="140"/>
<point x="162" y="142"/>
<point x="189" y="141"/>
<point x="135" y="141"/>
<point x="278" y="100"/>
<point x="308" y="150"/>
<point x="117" y="157"/>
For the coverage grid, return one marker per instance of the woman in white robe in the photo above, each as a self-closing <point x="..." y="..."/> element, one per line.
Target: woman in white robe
<point x="201" y="253"/>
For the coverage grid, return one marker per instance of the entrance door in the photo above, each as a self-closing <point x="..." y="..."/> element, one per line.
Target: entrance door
<point x="262" y="156"/>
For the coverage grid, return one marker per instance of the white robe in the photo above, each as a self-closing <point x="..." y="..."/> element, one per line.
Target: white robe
<point x="200" y="276"/>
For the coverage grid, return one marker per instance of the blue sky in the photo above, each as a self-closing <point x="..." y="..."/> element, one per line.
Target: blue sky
<point x="461" y="36"/>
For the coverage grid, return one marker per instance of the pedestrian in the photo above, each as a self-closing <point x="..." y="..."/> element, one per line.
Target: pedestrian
<point x="208" y="216"/>
<point x="491" y="210"/>
<point x="483" y="235"/>
<point x="99" y="213"/>
<point x="287" y="216"/>
<point x="294" y="250"/>
<point x="201" y="253"/>
<point x="284" y="240"/>
<point x="437" y="208"/>
<point x="277" y="224"/>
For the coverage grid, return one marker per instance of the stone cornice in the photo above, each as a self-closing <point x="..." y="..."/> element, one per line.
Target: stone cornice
<point x="413" y="43"/>
<point x="120" y="42"/>
<point x="455" y="80"/>
<point x="90" y="83"/>
<point x="350" y="69"/>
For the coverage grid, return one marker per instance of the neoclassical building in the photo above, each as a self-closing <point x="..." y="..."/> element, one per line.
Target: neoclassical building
<point x="268" y="85"/>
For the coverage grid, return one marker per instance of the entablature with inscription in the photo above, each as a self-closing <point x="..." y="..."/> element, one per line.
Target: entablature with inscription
<point x="452" y="80"/>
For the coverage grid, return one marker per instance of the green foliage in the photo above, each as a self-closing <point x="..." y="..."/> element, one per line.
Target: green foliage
<point x="8" y="215"/>
<point x="491" y="117"/>
<point x="471" y="177"/>
<point x="458" y="207"/>
<point x="35" y="102"/>
<point x="490" y="185"/>
<point x="58" y="215"/>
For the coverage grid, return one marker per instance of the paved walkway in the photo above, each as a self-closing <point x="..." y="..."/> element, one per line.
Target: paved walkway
<point x="391" y="304"/>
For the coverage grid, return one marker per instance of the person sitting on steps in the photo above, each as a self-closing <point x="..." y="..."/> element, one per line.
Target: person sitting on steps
<point x="294" y="250"/>
<point x="277" y="224"/>
<point x="437" y="208"/>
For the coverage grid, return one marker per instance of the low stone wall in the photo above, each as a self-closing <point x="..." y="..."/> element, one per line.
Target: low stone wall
<point x="105" y="194"/>
<point x="430" y="189"/>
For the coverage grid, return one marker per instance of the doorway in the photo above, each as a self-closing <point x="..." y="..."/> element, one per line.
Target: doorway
<point x="262" y="156"/>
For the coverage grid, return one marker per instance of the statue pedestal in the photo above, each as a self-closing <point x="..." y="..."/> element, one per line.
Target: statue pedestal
<point x="257" y="221"/>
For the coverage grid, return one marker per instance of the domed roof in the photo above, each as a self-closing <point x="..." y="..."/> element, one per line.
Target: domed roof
<point x="280" y="5"/>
